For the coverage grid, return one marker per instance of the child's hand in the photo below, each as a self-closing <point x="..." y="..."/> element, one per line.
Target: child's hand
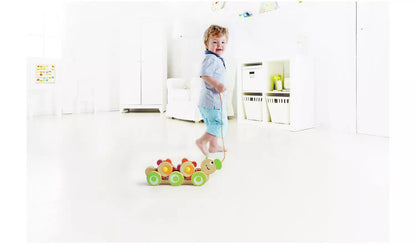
<point x="220" y="88"/>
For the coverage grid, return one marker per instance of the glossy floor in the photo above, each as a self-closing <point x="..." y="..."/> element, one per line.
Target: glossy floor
<point x="86" y="182"/>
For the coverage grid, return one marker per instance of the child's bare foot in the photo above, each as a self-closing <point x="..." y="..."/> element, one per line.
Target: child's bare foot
<point x="216" y="148"/>
<point x="202" y="146"/>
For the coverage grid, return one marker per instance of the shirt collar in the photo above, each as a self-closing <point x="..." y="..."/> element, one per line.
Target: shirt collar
<point x="209" y="52"/>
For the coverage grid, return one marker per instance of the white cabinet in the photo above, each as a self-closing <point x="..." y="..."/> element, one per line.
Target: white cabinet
<point x="293" y="107"/>
<point x="143" y="63"/>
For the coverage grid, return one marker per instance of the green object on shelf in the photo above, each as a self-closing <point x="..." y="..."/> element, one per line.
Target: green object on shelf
<point x="278" y="82"/>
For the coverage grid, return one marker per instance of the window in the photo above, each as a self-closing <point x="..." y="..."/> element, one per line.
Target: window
<point x="44" y="29"/>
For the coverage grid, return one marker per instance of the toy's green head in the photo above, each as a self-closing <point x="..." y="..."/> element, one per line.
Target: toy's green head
<point x="209" y="166"/>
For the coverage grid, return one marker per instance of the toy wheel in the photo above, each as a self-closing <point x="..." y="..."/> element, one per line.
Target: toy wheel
<point x="175" y="178"/>
<point x="154" y="178"/>
<point x="198" y="178"/>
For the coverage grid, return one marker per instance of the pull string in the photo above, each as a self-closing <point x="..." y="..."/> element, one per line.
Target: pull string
<point x="222" y="135"/>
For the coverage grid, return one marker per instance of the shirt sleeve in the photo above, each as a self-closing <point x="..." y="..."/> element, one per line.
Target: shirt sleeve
<point x="208" y="66"/>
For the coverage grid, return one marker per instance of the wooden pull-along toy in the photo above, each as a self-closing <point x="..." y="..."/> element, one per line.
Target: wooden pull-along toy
<point x="184" y="174"/>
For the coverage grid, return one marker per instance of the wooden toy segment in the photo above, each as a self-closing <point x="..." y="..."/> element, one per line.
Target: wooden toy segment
<point x="187" y="169"/>
<point x="165" y="168"/>
<point x="149" y="169"/>
<point x="187" y="182"/>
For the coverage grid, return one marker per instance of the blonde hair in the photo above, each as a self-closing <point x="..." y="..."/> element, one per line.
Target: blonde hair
<point x="215" y="30"/>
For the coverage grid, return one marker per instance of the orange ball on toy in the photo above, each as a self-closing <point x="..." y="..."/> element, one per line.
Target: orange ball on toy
<point x="184" y="160"/>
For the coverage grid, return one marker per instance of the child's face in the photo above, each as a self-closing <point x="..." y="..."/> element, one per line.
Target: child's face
<point x="217" y="44"/>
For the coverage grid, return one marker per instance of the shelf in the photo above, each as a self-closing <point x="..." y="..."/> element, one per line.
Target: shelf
<point x="265" y="93"/>
<point x="248" y="93"/>
<point x="292" y="106"/>
<point x="277" y="92"/>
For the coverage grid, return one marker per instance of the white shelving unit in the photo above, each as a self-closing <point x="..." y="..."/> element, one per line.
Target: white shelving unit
<point x="294" y="105"/>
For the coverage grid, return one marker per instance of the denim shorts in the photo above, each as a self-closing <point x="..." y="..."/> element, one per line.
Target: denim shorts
<point x="212" y="119"/>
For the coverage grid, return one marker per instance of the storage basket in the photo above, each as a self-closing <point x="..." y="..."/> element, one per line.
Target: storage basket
<point x="253" y="107"/>
<point x="253" y="78"/>
<point x="279" y="108"/>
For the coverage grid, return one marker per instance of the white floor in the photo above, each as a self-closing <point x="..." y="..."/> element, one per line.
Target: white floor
<point x="86" y="182"/>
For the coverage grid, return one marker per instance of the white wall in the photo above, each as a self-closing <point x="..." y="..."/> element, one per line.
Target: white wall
<point x="43" y="46"/>
<point x="332" y="43"/>
<point x="90" y="57"/>
<point x="373" y="68"/>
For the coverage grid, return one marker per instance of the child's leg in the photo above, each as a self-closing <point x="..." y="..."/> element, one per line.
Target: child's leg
<point x="214" y="146"/>
<point x="203" y="141"/>
<point x="221" y="128"/>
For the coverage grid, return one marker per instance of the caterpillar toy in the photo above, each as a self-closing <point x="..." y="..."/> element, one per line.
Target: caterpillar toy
<point x="186" y="173"/>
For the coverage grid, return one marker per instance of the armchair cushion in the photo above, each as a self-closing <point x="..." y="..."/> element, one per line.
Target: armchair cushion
<point x="183" y="98"/>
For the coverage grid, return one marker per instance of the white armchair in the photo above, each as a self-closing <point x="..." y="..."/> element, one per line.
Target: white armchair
<point x="183" y="97"/>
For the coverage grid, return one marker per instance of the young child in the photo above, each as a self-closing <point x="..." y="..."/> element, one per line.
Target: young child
<point x="213" y="75"/>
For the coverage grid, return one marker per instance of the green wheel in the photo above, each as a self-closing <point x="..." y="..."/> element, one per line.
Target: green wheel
<point x="154" y="178"/>
<point x="175" y="178"/>
<point x="198" y="178"/>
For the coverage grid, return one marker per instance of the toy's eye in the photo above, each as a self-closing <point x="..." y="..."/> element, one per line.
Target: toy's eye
<point x="212" y="162"/>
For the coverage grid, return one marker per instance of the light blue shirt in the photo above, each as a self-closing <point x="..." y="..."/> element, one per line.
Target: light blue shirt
<point x="212" y="66"/>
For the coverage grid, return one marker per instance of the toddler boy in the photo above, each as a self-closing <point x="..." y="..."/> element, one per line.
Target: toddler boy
<point x="213" y="75"/>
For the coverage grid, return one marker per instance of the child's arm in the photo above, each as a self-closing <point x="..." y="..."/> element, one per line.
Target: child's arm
<point x="214" y="83"/>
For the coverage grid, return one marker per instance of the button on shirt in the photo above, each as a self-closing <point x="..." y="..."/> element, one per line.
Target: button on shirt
<point x="212" y="66"/>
